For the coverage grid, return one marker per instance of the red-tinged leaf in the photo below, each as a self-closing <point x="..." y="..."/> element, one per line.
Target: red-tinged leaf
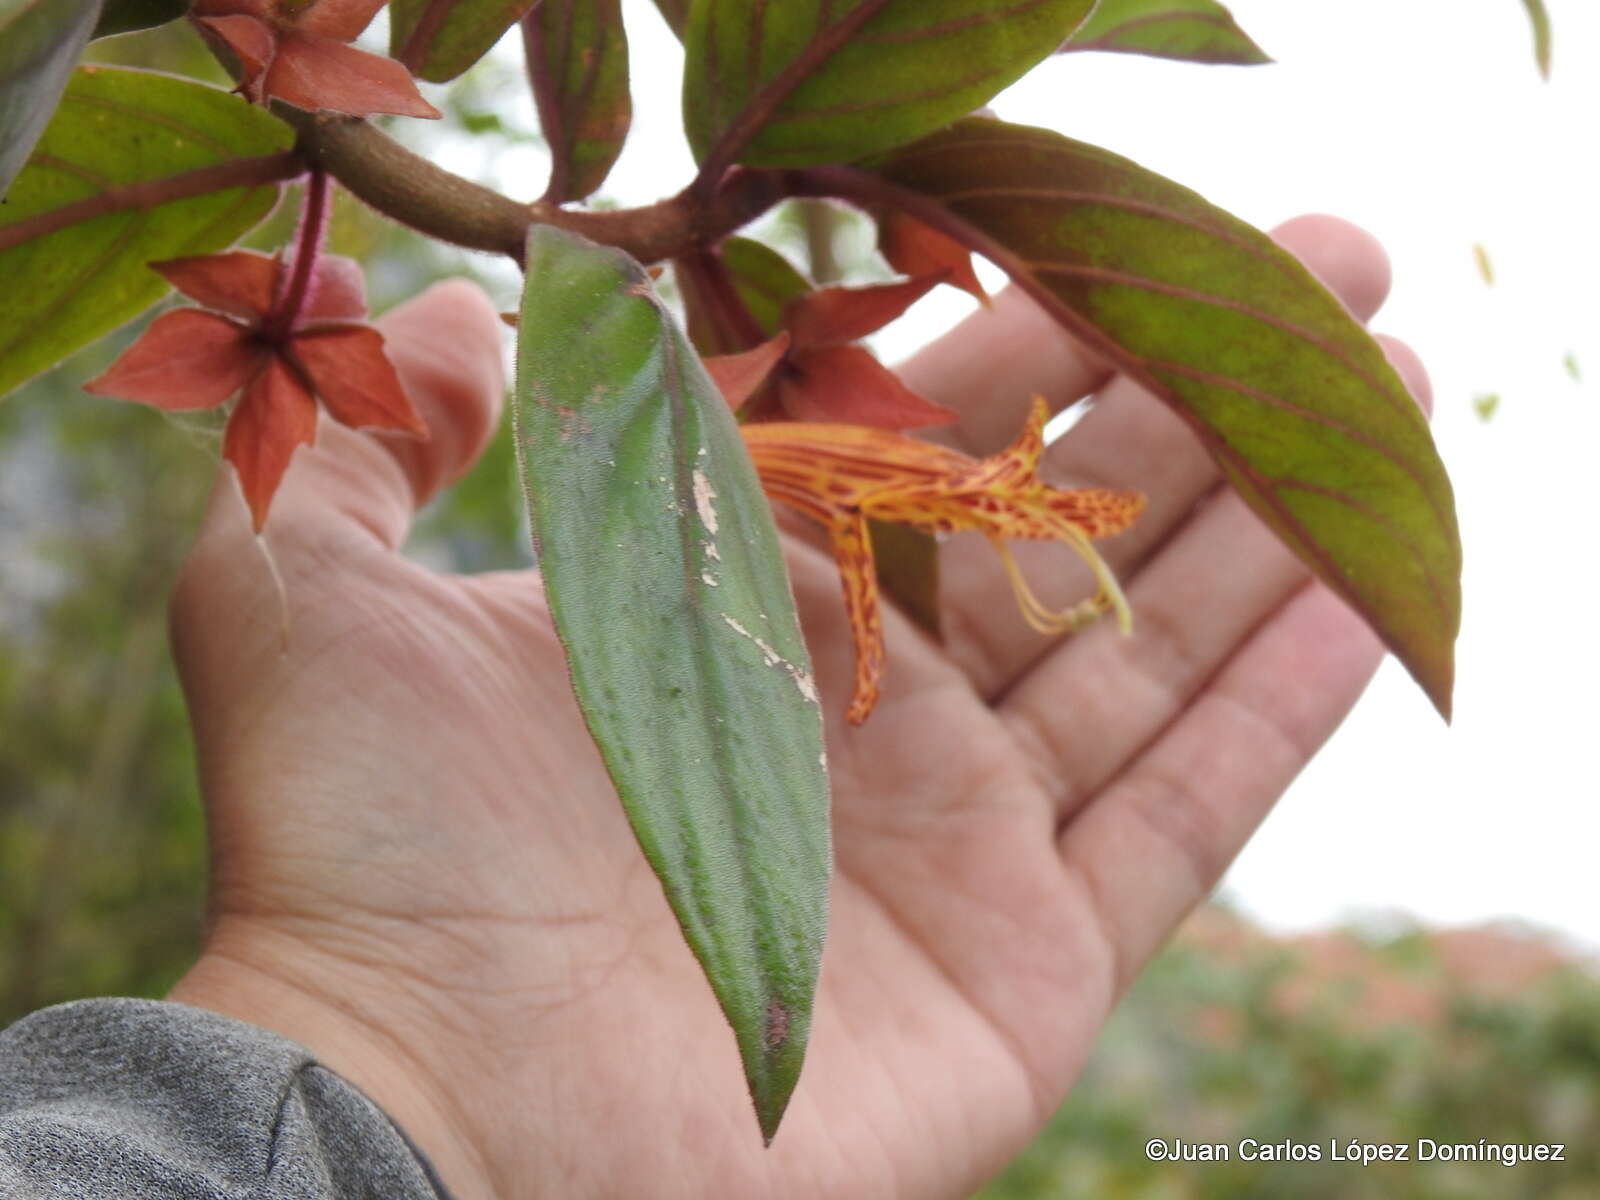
<point x="789" y="85"/>
<point x="917" y="250"/>
<point x="274" y="419"/>
<point x="439" y="39"/>
<point x="355" y="380"/>
<point x="338" y="291"/>
<point x="254" y="43"/>
<point x="187" y="359"/>
<point x="838" y="314"/>
<point x="312" y="72"/>
<point x="1192" y="30"/>
<point x="846" y="385"/>
<point x="241" y="282"/>
<point x="577" y="56"/>
<point x="737" y="376"/>
<point x="1294" y="399"/>
<point x="342" y="20"/>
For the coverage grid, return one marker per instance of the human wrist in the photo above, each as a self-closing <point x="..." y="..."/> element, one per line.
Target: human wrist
<point x="330" y="1006"/>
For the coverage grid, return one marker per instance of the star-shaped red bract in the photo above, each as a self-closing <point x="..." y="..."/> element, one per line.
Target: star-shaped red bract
<point x="285" y="354"/>
<point x="818" y="371"/>
<point x="299" y="53"/>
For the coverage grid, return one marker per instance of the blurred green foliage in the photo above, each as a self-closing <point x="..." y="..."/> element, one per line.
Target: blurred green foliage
<point x="1394" y="1043"/>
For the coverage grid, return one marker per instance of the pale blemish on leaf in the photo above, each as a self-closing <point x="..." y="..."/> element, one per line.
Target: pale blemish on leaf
<point x="802" y="677"/>
<point x="703" y="496"/>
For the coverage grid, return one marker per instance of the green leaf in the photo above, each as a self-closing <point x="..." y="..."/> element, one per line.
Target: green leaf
<point x="116" y="128"/>
<point x="437" y="40"/>
<point x="125" y="16"/>
<point x="764" y="279"/>
<point x="1539" y="16"/>
<point x="578" y="63"/>
<point x="820" y="81"/>
<point x="907" y="564"/>
<point x="1296" y="402"/>
<point x="39" y="42"/>
<point x="1485" y="404"/>
<point x="661" y="563"/>
<point x="1193" y="30"/>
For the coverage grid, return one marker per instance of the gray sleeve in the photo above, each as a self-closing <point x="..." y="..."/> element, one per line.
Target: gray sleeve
<point x="117" y="1099"/>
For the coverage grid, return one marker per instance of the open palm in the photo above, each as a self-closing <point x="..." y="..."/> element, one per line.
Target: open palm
<point x="421" y="871"/>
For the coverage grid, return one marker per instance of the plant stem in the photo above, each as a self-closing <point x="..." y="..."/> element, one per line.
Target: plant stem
<point x="408" y="188"/>
<point x="308" y="245"/>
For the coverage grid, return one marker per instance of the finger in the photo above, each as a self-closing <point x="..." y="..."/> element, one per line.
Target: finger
<point x="445" y="345"/>
<point x="1128" y="440"/>
<point x="1093" y="703"/>
<point x="1156" y="840"/>
<point x="990" y="366"/>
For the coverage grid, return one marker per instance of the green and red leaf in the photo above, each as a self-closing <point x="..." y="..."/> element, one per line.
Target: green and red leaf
<point x="577" y="55"/>
<point x="665" y="579"/>
<point x="1192" y="30"/>
<point x="1293" y="398"/>
<point x="439" y="39"/>
<point x="810" y="81"/>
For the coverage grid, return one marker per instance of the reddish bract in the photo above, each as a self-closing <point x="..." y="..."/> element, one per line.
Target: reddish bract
<point x="820" y="375"/>
<point x="914" y="249"/>
<point x="298" y="54"/>
<point x="284" y="362"/>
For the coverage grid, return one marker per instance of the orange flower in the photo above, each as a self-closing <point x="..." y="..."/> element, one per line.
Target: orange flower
<point x="840" y="475"/>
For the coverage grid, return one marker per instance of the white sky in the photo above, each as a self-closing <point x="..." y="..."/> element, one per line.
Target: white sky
<point x="1425" y="121"/>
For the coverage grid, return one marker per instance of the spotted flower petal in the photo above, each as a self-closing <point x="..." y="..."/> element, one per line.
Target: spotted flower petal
<point x="841" y="475"/>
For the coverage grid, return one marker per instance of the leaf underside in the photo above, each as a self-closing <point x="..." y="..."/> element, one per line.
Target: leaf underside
<point x="1192" y="30"/>
<point x="1292" y="397"/>
<point x="661" y="563"/>
<point x="117" y="127"/>
<point x="815" y="81"/>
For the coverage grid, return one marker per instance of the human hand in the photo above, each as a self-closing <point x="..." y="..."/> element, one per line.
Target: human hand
<point x="421" y="871"/>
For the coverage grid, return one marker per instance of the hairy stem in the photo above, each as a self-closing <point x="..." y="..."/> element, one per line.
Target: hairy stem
<point x="308" y="245"/>
<point x="431" y="200"/>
